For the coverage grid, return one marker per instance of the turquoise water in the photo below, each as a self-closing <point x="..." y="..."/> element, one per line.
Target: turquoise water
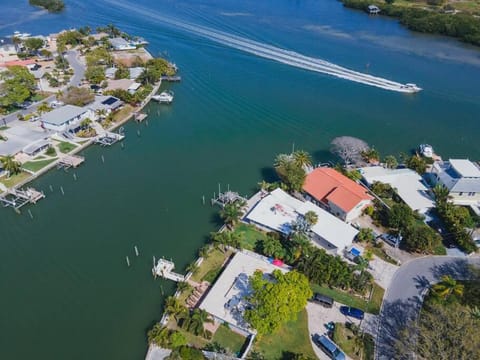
<point x="66" y="292"/>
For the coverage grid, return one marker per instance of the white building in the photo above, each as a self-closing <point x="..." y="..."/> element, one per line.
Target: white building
<point x="65" y="118"/>
<point x="226" y="301"/>
<point x="119" y="44"/>
<point x="278" y="210"/>
<point x="461" y="177"/>
<point x="408" y="184"/>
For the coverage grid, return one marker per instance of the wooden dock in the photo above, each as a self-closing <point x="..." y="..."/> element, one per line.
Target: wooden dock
<point x="69" y="161"/>
<point x="164" y="268"/>
<point x="108" y="138"/>
<point x="17" y="198"/>
<point x="171" y="78"/>
<point x="139" y="117"/>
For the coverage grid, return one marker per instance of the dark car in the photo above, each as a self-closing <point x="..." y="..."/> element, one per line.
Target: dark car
<point x="352" y="312"/>
<point x="322" y="300"/>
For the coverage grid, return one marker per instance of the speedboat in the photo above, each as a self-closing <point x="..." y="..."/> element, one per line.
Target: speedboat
<point x="165" y="97"/>
<point x="426" y="150"/>
<point x="411" y="87"/>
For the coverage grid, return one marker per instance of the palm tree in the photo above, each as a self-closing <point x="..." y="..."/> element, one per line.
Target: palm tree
<point x="101" y="113"/>
<point x="302" y="158"/>
<point x="174" y="308"/>
<point x="390" y="162"/>
<point x="196" y="321"/>
<point x="203" y="251"/>
<point x="43" y="108"/>
<point x="192" y="267"/>
<point x="441" y="193"/>
<point x="301" y="245"/>
<point x="183" y="286"/>
<point x="223" y="239"/>
<point x="446" y="287"/>
<point x="475" y="312"/>
<point x="311" y="217"/>
<point x="158" y="335"/>
<point x="273" y="247"/>
<point x="9" y="164"/>
<point x="231" y="214"/>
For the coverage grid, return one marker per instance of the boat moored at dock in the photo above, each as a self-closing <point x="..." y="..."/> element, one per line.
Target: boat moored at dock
<point x="165" y="97"/>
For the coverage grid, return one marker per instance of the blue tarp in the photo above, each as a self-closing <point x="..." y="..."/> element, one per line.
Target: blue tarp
<point x="355" y="252"/>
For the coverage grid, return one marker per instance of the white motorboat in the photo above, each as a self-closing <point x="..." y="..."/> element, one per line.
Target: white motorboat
<point x="165" y="97"/>
<point x="426" y="150"/>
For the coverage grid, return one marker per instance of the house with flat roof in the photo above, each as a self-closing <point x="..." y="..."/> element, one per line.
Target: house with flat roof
<point x="107" y="103"/>
<point x="461" y="177"/>
<point x="337" y="193"/>
<point x="8" y="50"/>
<point x="278" y="211"/>
<point x="123" y="84"/>
<point x="121" y="44"/>
<point x="226" y="299"/>
<point x="65" y="117"/>
<point x="408" y="184"/>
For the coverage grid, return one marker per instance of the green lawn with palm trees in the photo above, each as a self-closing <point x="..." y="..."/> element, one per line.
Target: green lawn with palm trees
<point x="212" y="262"/>
<point x="249" y="235"/>
<point x="37" y="165"/>
<point x="66" y="147"/>
<point x="14" y="179"/>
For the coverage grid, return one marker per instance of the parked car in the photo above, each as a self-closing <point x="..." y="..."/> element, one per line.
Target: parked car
<point x="352" y="312"/>
<point x="391" y="239"/>
<point x="56" y="103"/>
<point x="323" y="300"/>
<point x="328" y="347"/>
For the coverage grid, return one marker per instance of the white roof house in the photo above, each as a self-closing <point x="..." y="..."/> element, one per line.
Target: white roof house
<point x="461" y="177"/>
<point x="278" y="210"/>
<point x="226" y="299"/>
<point x="119" y="43"/>
<point x="62" y="118"/>
<point x="408" y="183"/>
<point x="107" y="103"/>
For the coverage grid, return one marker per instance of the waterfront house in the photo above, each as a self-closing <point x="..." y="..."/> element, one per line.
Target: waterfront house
<point x="107" y="103"/>
<point x="36" y="147"/>
<point x="135" y="72"/>
<point x="408" y="184"/>
<point x="337" y="193"/>
<point x="227" y="300"/>
<point x="373" y="9"/>
<point x="110" y="72"/>
<point x="8" y="50"/>
<point x="65" y="117"/>
<point x="120" y="44"/>
<point x="123" y="84"/>
<point x="461" y="177"/>
<point x="278" y="211"/>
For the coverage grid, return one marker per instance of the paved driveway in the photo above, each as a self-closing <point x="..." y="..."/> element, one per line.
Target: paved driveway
<point x="318" y="316"/>
<point x="403" y="299"/>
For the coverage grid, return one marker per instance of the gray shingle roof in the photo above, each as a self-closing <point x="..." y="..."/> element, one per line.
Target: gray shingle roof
<point x="63" y="114"/>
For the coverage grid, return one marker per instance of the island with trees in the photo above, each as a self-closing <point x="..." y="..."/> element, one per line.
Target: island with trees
<point x="459" y="19"/>
<point x="50" y="5"/>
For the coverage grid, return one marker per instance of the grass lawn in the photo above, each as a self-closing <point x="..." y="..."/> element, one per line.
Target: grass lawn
<point x="250" y="235"/>
<point x="345" y="298"/>
<point x="4" y="128"/>
<point x="120" y="115"/>
<point x="292" y="337"/>
<point x="440" y="250"/>
<point x="37" y="165"/>
<point x="66" y="147"/>
<point x="347" y="340"/>
<point x="39" y="157"/>
<point x="14" y="179"/>
<point x="210" y="264"/>
<point x="228" y="339"/>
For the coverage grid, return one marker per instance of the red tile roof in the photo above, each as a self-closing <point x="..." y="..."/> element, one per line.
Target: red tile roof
<point x="328" y="185"/>
<point x="18" y="63"/>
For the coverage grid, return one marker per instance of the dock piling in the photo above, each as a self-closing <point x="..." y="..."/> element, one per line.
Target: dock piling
<point x="61" y="189"/>
<point x="74" y="176"/>
<point x="136" y="250"/>
<point x="128" y="261"/>
<point x="30" y="213"/>
<point x="51" y="188"/>
<point x="203" y="199"/>
<point x="103" y="159"/>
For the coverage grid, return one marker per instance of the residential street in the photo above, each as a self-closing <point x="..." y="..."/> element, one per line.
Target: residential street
<point x="404" y="297"/>
<point x="79" y="72"/>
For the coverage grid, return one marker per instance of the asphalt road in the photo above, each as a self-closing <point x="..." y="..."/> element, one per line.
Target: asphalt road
<point x="404" y="297"/>
<point x="79" y="72"/>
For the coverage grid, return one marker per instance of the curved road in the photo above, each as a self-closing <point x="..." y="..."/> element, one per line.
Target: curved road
<point x="403" y="298"/>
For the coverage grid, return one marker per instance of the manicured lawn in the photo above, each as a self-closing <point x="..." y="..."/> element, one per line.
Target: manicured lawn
<point x="37" y="165"/>
<point x="228" y="339"/>
<point x="39" y="157"/>
<point x="66" y="147"/>
<point x="14" y="179"/>
<point x="345" y="339"/>
<point x="293" y="337"/>
<point x="121" y="114"/>
<point x="250" y="235"/>
<point x="213" y="262"/>
<point x="354" y="301"/>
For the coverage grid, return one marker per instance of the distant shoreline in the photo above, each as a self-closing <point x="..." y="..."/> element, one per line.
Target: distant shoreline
<point x="52" y="6"/>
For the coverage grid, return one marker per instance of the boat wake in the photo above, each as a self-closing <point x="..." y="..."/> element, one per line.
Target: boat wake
<point x="287" y="57"/>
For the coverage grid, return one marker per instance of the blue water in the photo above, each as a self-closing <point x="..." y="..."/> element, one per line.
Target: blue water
<point x="66" y="292"/>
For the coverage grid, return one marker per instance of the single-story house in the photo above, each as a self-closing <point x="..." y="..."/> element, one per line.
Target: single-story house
<point x="8" y="50"/>
<point x="135" y="72"/>
<point x="65" y="117"/>
<point x="36" y="147"/>
<point x="107" y="103"/>
<point x="408" y="184"/>
<point x="120" y="44"/>
<point x="461" y="177"/>
<point x="226" y="300"/>
<point x="278" y="210"/>
<point x="337" y="193"/>
<point x="110" y="72"/>
<point x="123" y="84"/>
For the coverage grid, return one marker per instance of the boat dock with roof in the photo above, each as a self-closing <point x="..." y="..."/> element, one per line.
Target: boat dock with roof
<point x="16" y="198"/>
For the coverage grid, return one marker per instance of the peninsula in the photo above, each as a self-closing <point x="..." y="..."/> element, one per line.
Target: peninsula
<point x="50" y="5"/>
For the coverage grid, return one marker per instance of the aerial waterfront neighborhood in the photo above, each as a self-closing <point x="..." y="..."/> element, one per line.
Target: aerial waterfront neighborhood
<point x="283" y="204"/>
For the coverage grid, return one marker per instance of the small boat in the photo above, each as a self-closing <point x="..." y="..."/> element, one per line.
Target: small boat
<point x="426" y="150"/>
<point x="165" y="97"/>
<point x="19" y="35"/>
<point x="411" y="88"/>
